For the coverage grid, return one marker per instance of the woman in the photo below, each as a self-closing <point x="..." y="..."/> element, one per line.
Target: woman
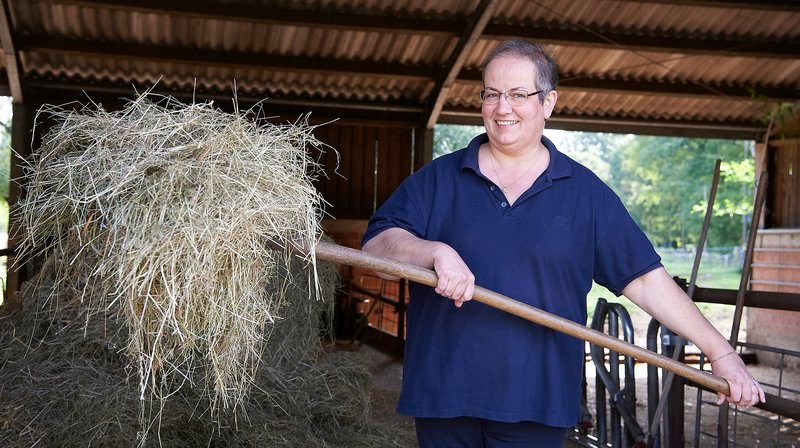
<point x="514" y="214"/>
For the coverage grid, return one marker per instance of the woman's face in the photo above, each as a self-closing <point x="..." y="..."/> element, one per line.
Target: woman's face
<point x="515" y="128"/>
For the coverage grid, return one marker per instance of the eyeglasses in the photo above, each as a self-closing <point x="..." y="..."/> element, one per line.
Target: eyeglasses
<point x="515" y="97"/>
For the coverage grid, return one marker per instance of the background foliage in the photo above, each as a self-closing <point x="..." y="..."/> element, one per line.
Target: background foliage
<point x="663" y="181"/>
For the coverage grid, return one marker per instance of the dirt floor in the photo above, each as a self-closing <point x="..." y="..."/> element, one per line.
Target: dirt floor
<point x="747" y="429"/>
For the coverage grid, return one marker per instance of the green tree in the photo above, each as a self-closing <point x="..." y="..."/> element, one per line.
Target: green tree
<point x="448" y="138"/>
<point x="665" y="183"/>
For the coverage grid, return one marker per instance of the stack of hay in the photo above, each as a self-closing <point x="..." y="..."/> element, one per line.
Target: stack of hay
<point x="160" y="315"/>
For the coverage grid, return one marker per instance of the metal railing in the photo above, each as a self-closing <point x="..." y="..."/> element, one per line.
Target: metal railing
<point x="615" y="385"/>
<point x="778" y="419"/>
<point x="782" y="407"/>
<point x="786" y="430"/>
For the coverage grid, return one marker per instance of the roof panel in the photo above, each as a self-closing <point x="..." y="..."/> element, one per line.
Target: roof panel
<point x="656" y="18"/>
<point x="251" y="82"/>
<point x="667" y="61"/>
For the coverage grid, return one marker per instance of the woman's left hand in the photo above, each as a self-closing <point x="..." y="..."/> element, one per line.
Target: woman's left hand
<point x="745" y="390"/>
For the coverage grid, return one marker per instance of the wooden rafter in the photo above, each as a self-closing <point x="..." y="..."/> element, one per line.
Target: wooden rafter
<point x="357" y="21"/>
<point x="13" y="68"/>
<point x="469" y="37"/>
<point x="559" y="34"/>
<point x="261" y="61"/>
<point x="230" y="59"/>
<point x="661" y="43"/>
<point x="619" y="124"/>
<point x="707" y="90"/>
<point x="768" y="5"/>
<point x="378" y="110"/>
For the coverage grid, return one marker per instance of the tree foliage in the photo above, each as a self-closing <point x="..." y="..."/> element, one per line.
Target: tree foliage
<point x="665" y="183"/>
<point x="450" y="138"/>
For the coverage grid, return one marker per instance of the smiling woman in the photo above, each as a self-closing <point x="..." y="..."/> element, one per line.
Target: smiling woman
<point x="514" y="214"/>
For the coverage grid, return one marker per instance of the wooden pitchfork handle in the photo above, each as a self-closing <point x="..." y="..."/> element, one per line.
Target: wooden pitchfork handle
<point x="357" y="258"/>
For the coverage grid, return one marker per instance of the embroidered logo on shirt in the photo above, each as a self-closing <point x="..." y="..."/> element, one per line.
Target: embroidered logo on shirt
<point x="560" y="223"/>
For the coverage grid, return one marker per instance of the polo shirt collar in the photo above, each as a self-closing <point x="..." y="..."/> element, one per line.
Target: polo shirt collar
<point x="559" y="166"/>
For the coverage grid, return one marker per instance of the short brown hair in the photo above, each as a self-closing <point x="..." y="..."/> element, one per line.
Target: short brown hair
<point x="545" y="62"/>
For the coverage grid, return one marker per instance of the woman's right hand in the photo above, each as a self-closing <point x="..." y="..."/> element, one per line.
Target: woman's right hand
<point x="456" y="281"/>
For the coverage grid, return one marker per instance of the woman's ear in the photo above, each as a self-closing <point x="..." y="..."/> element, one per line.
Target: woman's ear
<point x="550" y="103"/>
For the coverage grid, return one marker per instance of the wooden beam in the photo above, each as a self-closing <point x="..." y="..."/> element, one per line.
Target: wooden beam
<point x="469" y="37"/>
<point x="684" y="89"/>
<point x="369" y="20"/>
<point x="21" y="135"/>
<point x="705" y="90"/>
<point x="626" y="125"/>
<point x="229" y="59"/>
<point x="13" y="67"/>
<point x="383" y="21"/>
<point x="5" y="87"/>
<point x="764" y="5"/>
<point x="596" y="37"/>
<point x="68" y="90"/>
<point x="261" y="61"/>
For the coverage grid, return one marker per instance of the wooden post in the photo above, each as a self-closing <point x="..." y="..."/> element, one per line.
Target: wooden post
<point x="21" y="129"/>
<point x="423" y="142"/>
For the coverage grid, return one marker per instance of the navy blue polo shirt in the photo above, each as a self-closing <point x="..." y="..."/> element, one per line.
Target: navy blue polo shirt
<point x="544" y="250"/>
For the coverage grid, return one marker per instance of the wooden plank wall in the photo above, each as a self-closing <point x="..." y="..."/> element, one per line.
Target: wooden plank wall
<point x="776" y="256"/>
<point x="776" y="267"/>
<point x="368" y="164"/>
<point x="783" y="202"/>
<point x="357" y="185"/>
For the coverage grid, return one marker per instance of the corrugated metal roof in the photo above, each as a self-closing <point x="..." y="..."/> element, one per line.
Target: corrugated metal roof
<point x="628" y="60"/>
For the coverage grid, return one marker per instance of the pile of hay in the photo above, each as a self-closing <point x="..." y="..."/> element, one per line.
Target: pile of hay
<point x="160" y="307"/>
<point x="64" y="382"/>
<point x="171" y="208"/>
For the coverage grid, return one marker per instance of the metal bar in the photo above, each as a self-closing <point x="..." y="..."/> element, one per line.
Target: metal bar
<point x="652" y="383"/>
<point x="753" y="299"/>
<point x="698" y="256"/>
<point x="767" y="348"/>
<point x="613" y="367"/>
<point x="761" y="191"/>
<point x="675" y="399"/>
<point x="697" y="411"/>
<point x="625" y="400"/>
<point x="775" y="404"/>
<point x="598" y="357"/>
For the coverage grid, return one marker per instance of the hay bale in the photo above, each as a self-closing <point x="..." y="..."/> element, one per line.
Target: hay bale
<point x="65" y="383"/>
<point x="160" y="307"/>
<point x="172" y="209"/>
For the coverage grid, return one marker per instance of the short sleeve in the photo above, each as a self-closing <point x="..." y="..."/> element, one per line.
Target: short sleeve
<point x="401" y="209"/>
<point x="622" y="251"/>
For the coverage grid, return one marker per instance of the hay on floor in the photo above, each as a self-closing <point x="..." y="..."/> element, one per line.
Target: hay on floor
<point x="64" y="383"/>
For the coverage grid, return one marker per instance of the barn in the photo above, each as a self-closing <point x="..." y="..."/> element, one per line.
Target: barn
<point x="378" y="76"/>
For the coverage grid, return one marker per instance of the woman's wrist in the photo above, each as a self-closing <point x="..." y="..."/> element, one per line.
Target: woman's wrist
<point x="732" y="352"/>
